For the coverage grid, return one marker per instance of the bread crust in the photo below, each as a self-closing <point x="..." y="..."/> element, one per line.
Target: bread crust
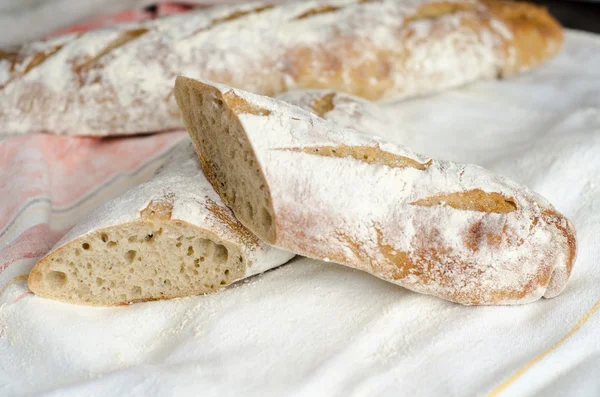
<point x="458" y="232"/>
<point x="119" y="81"/>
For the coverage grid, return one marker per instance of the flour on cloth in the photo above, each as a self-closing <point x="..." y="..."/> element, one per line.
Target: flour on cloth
<point x="313" y="328"/>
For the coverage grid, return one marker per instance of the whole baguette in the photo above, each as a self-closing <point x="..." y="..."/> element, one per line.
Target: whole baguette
<point x="304" y="184"/>
<point x="119" y="80"/>
<point x="167" y="238"/>
<point x="122" y="265"/>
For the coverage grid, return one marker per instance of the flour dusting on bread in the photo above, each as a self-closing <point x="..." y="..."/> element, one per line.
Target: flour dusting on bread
<point x="451" y="230"/>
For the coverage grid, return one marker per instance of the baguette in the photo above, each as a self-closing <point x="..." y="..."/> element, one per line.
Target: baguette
<point x="119" y="80"/>
<point x="304" y="184"/>
<point x="167" y="238"/>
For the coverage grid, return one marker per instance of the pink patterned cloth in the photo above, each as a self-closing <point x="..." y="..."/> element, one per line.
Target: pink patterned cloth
<point x="48" y="183"/>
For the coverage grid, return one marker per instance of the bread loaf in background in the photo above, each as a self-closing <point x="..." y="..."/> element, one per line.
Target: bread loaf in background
<point x="119" y="81"/>
<point x="304" y="184"/>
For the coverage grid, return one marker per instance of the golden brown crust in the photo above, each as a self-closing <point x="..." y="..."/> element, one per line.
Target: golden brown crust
<point x="321" y="106"/>
<point x="239" y="105"/>
<point x="438" y="9"/>
<point x="239" y="14"/>
<point x="365" y="154"/>
<point x="536" y="35"/>
<point x="36" y="60"/>
<point x="471" y="200"/>
<point x="317" y="10"/>
<point x="158" y="209"/>
<point x="123" y="39"/>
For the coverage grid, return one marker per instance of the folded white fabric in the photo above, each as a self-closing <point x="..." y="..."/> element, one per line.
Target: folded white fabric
<point x="317" y="329"/>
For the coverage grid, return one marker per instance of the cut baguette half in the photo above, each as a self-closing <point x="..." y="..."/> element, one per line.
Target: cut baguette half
<point x="304" y="184"/>
<point x="167" y="238"/>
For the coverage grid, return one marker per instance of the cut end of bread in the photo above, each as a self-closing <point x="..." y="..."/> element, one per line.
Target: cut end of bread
<point x="227" y="158"/>
<point x="140" y="261"/>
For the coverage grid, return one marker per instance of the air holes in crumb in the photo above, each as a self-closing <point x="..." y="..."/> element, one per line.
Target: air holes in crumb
<point x="137" y="291"/>
<point x="178" y="245"/>
<point x="167" y="282"/>
<point x="99" y="281"/>
<point x="148" y="237"/>
<point x="104" y="237"/>
<point x="226" y="272"/>
<point x="130" y="255"/>
<point x="223" y="282"/>
<point x="220" y="255"/>
<point x="89" y="265"/>
<point x="190" y="251"/>
<point x="197" y="262"/>
<point x="111" y="244"/>
<point x="85" y="246"/>
<point x="57" y="279"/>
<point x="77" y="252"/>
<point x="132" y="239"/>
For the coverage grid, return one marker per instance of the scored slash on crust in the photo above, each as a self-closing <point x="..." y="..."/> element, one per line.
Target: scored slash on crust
<point x="365" y="154"/>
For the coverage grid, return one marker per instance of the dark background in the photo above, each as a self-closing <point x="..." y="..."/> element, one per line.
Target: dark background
<point x="582" y="15"/>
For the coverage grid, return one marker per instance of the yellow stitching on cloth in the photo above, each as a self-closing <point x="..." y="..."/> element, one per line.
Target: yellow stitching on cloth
<point x="539" y="357"/>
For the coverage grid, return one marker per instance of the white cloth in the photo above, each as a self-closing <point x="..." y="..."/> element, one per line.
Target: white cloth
<point x="318" y="329"/>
